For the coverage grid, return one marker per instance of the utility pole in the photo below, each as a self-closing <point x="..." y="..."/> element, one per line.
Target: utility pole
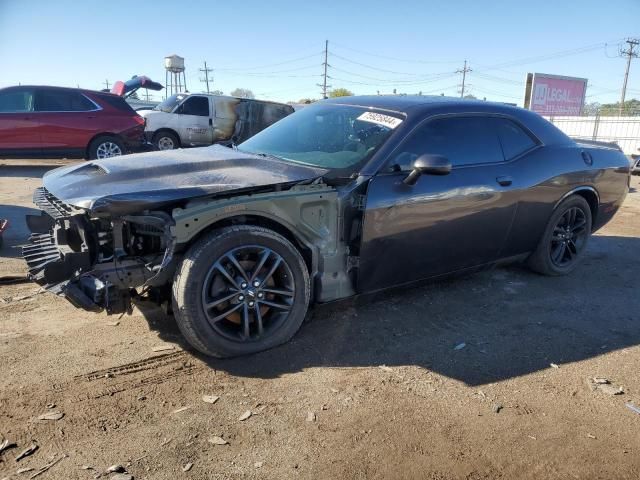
<point x="324" y="85"/>
<point x="464" y="72"/>
<point x="106" y="82"/>
<point x="206" y="71"/>
<point x="629" y="53"/>
<point x="146" y="94"/>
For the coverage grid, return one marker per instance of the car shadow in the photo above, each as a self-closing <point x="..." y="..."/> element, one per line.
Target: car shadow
<point x="483" y="328"/>
<point x="17" y="233"/>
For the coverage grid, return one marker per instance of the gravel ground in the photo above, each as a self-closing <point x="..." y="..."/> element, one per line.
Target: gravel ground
<point x="485" y="376"/>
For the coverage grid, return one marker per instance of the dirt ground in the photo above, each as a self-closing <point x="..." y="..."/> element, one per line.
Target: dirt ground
<point x="482" y="377"/>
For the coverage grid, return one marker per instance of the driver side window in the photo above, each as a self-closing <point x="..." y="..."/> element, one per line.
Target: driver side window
<point x="195" y="106"/>
<point x="463" y="140"/>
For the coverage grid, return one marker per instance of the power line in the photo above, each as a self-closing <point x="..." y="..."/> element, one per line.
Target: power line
<point x="325" y="64"/>
<point x="549" y="56"/>
<point x="391" y="82"/>
<point x="266" y="75"/>
<point x="395" y="81"/>
<point x="599" y="94"/>
<point x="464" y="72"/>
<point x="206" y="72"/>
<point x="270" y="65"/>
<point x="353" y="76"/>
<point x="493" y="78"/>
<point x="392" y="58"/>
<point x="372" y="67"/>
<point x="629" y="53"/>
<point x="229" y="71"/>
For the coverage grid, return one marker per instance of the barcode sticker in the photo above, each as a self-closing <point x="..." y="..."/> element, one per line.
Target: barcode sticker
<point x="380" y="119"/>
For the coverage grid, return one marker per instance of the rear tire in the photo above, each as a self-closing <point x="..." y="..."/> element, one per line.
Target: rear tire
<point x="223" y="292"/>
<point x="105" y="146"/>
<point x="565" y="239"/>
<point x="165" y="141"/>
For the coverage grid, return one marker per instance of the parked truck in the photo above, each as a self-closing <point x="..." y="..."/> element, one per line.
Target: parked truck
<point x="192" y="120"/>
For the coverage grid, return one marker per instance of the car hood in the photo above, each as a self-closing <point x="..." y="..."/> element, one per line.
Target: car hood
<point x="133" y="183"/>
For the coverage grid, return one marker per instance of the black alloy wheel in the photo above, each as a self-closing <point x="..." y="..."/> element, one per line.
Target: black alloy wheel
<point x="569" y="237"/>
<point x="565" y="238"/>
<point x="248" y="293"/>
<point x="240" y="290"/>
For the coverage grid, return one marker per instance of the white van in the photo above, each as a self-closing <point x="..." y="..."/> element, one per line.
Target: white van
<point x="198" y="119"/>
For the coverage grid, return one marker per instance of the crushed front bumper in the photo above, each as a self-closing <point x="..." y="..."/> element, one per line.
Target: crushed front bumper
<point x="59" y="251"/>
<point x="65" y="254"/>
<point x="49" y="268"/>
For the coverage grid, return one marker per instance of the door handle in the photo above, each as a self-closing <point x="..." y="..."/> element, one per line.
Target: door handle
<point x="504" y="181"/>
<point x="211" y="122"/>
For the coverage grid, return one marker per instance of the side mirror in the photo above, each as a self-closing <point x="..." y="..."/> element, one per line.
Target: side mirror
<point x="428" y="164"/>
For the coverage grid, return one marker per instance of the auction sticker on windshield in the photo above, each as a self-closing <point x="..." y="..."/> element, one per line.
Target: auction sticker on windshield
<point x="380" y="119"/>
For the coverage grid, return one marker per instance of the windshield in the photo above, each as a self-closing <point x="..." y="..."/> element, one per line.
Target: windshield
<point x="170" y="103"/>
<point x="326" y="136"/>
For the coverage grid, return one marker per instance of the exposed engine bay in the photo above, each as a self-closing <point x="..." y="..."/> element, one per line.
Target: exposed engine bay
<point x="96" y="263"/>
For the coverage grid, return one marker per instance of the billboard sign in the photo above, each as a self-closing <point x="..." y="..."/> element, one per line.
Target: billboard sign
<point x="554" y="94"/>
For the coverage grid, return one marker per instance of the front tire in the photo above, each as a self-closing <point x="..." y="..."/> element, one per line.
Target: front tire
<point x="240" y="290"/>
<point x="565" y="239"/>
<point x="165" y="141"/>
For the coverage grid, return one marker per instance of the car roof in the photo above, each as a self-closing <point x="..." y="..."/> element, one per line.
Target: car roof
<point x="201" y="94"/>
<point x="68" y="89"/>
<point x="406" y="103"/>
<point x="417" y="107"/>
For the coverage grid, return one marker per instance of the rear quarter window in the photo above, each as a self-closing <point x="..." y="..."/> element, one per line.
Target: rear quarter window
<point x="116" y="102"/>
<point x="513" y="138"/>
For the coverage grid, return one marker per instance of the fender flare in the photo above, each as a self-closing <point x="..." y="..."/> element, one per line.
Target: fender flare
<point x="576" y="190"/>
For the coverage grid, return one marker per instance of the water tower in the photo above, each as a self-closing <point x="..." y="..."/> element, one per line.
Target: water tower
<point x="175" y="80"/>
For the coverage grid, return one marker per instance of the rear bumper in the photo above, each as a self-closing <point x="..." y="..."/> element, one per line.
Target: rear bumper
<point x="148" y="139"/>
<point x="134" y="139"/>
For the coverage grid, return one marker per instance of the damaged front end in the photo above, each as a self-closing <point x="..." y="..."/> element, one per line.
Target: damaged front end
<point x="96" y="262"/>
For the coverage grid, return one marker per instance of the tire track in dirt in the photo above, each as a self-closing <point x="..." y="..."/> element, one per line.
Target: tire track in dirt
<point x="149" y="371"/>
<point x="149" y="363"/>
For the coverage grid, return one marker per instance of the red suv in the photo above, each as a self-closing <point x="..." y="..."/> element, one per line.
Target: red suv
<point x="66" y="122"/>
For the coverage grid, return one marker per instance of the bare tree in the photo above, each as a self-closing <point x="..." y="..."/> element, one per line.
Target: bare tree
<point x="242" y="93"/>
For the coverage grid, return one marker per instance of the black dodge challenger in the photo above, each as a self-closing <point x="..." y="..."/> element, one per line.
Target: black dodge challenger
<point x="344" y="197"/>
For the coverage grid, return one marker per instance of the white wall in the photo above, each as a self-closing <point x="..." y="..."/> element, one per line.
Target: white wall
<point x="625" y="131"/>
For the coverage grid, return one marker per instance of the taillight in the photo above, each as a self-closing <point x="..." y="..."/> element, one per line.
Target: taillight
<point x="140" y="120"/>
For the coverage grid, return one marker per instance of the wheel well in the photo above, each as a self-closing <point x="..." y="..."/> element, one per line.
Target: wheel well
<point x="169" y="130"/>
<point x="264" y="222"/>
<point x="592" y="199"/>
<point x="98" y="135"/>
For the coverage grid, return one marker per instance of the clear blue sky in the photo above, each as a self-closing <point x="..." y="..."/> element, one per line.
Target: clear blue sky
<point x="274" y="47"/>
